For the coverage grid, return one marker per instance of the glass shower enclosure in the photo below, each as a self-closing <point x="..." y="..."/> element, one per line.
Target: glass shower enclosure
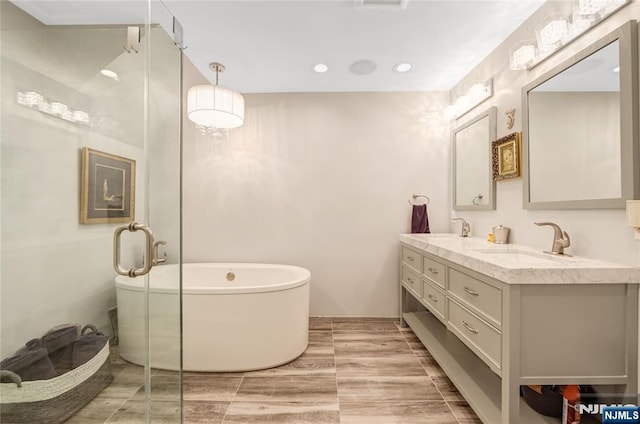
<point x="90" y="141"/>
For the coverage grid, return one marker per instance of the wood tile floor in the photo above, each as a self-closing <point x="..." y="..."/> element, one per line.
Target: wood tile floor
<point x="355" y="371"/>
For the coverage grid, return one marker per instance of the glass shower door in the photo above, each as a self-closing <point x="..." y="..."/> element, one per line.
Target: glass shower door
<point x="90" y="140"/>
<point x="164" y="65"/>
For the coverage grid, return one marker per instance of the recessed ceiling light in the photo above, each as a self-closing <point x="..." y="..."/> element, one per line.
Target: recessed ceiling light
<point x="616" y="69"/>
<point x="109" y="74"/>
<point x="402" y="67"/>
<point x="321" y="68"/>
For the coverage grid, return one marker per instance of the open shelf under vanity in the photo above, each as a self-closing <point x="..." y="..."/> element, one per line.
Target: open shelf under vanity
<point x="492" y="336"/>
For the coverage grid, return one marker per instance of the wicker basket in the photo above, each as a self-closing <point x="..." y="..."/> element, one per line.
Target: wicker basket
<point x="54" y="400"/>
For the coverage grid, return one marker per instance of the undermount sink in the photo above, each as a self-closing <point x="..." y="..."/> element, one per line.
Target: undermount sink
<point x="506" y="252"/>
<point x="518" y="256"/>
<point x="439" y="235"/>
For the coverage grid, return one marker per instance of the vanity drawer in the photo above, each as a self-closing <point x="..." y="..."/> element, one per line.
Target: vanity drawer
<point x="435" y="298"/>
<point x="434" y="271"/>
<point x="412" y="281"/>
<point x="482" y="297"/>
<point x="476" y="333"/>
<point x="412" y="259"/>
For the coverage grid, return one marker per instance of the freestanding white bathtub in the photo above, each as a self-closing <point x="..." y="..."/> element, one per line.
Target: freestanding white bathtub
<point x="236" y="316"/>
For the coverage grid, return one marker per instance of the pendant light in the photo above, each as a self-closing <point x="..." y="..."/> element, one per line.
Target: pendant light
<point x="213" y="108"/>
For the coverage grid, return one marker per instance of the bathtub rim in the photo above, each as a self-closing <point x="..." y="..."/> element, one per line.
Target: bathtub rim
<point x="125" y="283"/>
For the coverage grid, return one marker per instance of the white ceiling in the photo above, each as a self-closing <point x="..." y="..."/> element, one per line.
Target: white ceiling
<point x="272" y="46"/>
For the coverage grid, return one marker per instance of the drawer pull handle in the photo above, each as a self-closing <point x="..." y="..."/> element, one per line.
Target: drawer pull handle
<point x="435" y="299"/>
<point x="468" y="327"/>
<point x="433" y="270"/>
<point x="410" y="280"/>
<point x="410" y="258"/>
<point x="471" y="292"/>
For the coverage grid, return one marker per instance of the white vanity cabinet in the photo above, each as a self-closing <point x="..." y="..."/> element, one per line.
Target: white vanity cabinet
<point x="498" y="319"/>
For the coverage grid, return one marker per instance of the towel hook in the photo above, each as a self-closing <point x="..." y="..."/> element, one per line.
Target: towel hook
<point x="415" y="196"/>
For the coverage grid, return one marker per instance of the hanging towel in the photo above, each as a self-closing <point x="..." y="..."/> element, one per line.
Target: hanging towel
<point x="419" y="219"/>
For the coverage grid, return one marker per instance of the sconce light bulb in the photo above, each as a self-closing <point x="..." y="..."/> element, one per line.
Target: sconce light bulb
<point x="477" y="91"/>
<point x="591" y="7"/>
<point x="553" y="32"/>
<point x="578" y="26"/>
<point x="523" y="56"/>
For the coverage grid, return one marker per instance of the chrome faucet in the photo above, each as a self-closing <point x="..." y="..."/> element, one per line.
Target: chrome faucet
<point x="465" y="229"/>
<point x="560" y="239"/>
<point x="156" y="257"/>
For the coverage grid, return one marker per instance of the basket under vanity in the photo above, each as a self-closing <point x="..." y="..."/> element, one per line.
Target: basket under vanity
<point x="498" y="317"/>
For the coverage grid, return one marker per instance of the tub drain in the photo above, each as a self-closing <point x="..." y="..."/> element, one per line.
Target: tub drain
<point x="231" y="276"/>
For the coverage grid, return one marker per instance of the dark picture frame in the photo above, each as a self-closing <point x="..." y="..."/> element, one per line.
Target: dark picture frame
<point x="505" y="157"/>
<point x="107" y="188"/>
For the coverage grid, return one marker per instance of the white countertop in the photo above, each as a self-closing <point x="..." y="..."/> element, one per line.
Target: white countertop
<point x="517" y="264"/>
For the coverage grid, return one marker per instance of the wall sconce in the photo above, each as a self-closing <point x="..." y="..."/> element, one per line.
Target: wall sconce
<point x="34" y="100"/>
<point x="557" y="31"/>
<point x="476" y="94"/>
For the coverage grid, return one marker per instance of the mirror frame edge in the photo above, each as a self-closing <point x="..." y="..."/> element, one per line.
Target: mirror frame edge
<point x="491" y="113"/>
<point x="627" y="34"/>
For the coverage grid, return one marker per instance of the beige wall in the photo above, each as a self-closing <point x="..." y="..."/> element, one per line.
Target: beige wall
<point x="600" y="234"/>
<point x="321" y="181"/>
<point x="54" y="269"/>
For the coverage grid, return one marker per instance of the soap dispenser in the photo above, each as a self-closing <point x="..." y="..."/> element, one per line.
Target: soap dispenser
<point x="501" y="234"/>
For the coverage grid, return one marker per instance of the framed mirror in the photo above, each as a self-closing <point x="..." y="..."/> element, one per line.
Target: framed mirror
<point x="580" y="128"/>
<point x="473" y="185"/>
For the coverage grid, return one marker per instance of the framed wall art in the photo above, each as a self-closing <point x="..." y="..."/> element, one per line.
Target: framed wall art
<point x="506" y="157"/>
<point x="107" y="188"/>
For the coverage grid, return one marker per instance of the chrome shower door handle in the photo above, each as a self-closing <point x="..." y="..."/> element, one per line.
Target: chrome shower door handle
<point x="148" y="250"/>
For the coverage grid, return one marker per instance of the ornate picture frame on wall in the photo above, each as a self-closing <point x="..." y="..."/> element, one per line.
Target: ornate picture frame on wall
<point x="107" y="188"/>
<point x="505" y="157"/>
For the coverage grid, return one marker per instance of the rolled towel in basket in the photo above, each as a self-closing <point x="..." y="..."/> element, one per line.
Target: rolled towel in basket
<point x="59" y="342"/>
<point x="32" y="344"/>
<point x="31" y="362"/>
<point x="60" y="336"/>
<point x="88" y="345"/>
